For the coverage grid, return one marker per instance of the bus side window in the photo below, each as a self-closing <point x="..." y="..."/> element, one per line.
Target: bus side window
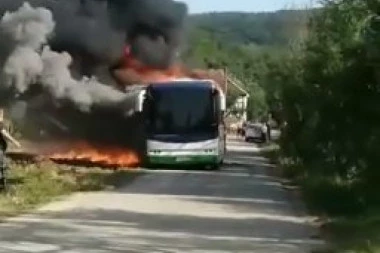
<point x="147" y="108"/>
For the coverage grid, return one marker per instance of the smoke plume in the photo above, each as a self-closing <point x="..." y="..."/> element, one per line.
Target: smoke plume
<point x="56" y="55"/>
<point x="94" y="32"/>
<point x="28" y="65"/>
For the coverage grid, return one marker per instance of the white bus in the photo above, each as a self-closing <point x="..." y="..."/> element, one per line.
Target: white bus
<point x="184" y="122"/>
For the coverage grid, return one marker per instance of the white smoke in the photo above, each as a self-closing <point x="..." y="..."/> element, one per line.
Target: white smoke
<point x="32" y="62"/>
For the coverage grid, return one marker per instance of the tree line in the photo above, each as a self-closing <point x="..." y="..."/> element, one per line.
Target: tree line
<point x="323" y="86"/>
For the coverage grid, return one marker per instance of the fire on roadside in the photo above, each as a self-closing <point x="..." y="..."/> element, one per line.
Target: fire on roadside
<point x="131" y="71"/>
<point x="93" y="154"/>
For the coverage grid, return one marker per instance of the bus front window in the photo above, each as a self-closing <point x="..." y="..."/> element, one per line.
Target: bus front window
<point x="177" y="111"/>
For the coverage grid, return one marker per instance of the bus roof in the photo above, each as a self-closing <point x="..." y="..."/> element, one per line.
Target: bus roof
<point x="188" y="83"/>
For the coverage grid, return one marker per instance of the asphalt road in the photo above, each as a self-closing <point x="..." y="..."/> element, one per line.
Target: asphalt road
<point x="238" y="209"/>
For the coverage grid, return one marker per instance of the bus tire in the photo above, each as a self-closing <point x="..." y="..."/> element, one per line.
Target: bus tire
<point x="215" y="166"/>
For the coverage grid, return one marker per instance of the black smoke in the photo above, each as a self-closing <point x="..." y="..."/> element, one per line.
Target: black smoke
<point x="154" y="28"/>
<point x="95" y="32"/>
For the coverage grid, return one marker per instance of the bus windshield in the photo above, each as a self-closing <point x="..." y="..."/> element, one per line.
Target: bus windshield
<point x="181" y="110"/>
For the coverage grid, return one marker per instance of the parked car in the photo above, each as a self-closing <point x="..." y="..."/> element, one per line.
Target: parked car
<point x="255" y="133"/>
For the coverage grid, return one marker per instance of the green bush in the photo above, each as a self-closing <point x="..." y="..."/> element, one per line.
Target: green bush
<point x="328" y="94"/>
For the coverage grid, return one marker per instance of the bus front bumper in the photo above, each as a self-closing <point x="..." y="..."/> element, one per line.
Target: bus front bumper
<point x="166" y="153"/>
<point x="182" y="159"/>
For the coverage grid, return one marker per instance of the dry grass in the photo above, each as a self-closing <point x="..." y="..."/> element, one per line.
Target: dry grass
<point x="31" y="185"/>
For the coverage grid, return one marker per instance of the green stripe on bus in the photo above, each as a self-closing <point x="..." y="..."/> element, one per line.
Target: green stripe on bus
<point x="191" y="159"/>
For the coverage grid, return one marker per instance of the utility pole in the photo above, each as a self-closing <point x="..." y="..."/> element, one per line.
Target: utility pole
<point x="226" y="79"/>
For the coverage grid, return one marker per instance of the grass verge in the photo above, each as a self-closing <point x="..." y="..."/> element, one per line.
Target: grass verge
<point x="271" y="151"/>
<point x="34" y="184"/>
<point x="359" y="234"/>
<point x="347" y="225"/>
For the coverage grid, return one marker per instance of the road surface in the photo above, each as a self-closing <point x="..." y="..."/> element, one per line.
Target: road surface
<point x="238" y="209"/>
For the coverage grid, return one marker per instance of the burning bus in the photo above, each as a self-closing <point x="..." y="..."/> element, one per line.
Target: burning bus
<point x="73" y="84"/>
<point x="184" y="122"/>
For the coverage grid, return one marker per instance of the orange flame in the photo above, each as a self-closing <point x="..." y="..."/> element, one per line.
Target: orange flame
<point x="95" y="154"/>
<point x="132" y="71"/>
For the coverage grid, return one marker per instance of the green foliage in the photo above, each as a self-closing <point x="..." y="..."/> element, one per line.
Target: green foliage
<point x="276" y="28"/>
<point x="205" y="51"/>
<point x="33" y="184"/>
<point x="257" y="103"/>
<point x="327" y="90"/>
<point x="243" y="42"/>
<point x="324" y="87"/>
<point x="360" y="234"/>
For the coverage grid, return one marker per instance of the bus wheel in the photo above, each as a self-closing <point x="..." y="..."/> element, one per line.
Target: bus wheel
<point x="215" y="166"/>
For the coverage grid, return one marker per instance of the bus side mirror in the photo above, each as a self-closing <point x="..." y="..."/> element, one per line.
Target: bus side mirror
<point x="140" y="101"/>
<point x="222" y="102"/>
<point x="221" y="98"/>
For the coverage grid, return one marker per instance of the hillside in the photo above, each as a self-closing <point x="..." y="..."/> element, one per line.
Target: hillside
<point x="242" y="42"/>
<point x="266" y="28"/>
<point x="237" y="39"/>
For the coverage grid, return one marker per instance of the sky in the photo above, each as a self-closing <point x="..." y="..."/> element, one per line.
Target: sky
<point x="200" y="6"/>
